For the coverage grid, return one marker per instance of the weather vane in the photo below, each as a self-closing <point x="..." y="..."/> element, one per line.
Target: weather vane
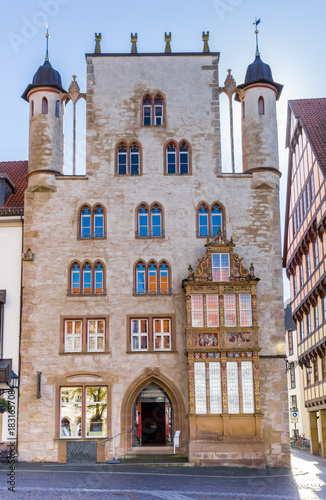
<point x="47" y="36"/>
<point x="256" y="33"/>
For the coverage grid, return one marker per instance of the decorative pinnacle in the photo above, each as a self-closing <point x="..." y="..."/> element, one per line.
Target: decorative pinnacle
<point x="168" y="38"/>
<point x="205" y="40"/>
<point x="98" y="38"/>
<point x="256" y="33"/>
<point x="47" y="36"/>
<point x="133" y="39"/>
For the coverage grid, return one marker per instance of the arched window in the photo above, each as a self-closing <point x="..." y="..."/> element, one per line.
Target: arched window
<point x="32" y="108"/>
<point x="98" y="278"/>
<point x="216" y="217"/>
<point x="156" y="221"/>
<point x="183" y="159"/>
<point x="98" y="223"/>
<point x="85" y="223"/>
<point x="158" y="111"/>
<point x="210" y="219"/>
<point x="261" y="106"/>
<point x="203" y="221"/>
<point x="44" y="106"/>
<point x="87" y="279"/>
<point x="147" y="111"/>
<point x="152" y="278"/>
<point x="143" y="222"/>
<point x="122" y="160"/>
<point x="57" y="108"/>
<point x="75" y="279"/>
<point x="171" y="159"/>
<point x="140" y="278"/>
<point x="164" y="278"/>
<point x="134" y="160"/>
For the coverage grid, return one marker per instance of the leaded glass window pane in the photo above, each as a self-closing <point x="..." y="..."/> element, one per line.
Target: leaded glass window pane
<point x="140" y="279"/>
<point x="197" y="310"/>
<point x="122" y="160"/>
<point x="229" y="310"/>
<point x="134" y="160"/>
<point x="86" y="223"/>
<point x="215" y="387"/>
<point x="203" y="221"/>
<point x="164" y="278"/>
<point x="75" y="279"/>
<point x="152" y="279"/>
<point x="156" y="222"/>
<point x="216" y="220"/>
<point x="147" y="112"/>
<point x="212" y="310"/>
<point x="158" y="111"/>
<point x="184" y="159"/>
<point x="99" y="279"/>
<point x="87" y="279"/>
<point x="200" y="388"/>
<point x="245" y="309"/>
<point x="221" y="266"/>
<point x="232" y="386"/>
<point x="247" y="387"/>
<point x="143" y="222"/>
<point x="171" y="159"/>
<point x="98" y="223"/>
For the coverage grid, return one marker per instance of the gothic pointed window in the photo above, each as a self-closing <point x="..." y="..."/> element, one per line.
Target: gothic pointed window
<point x="87" y="279"/>
<point x="140" y="278"/>
<point x="261" y="106"/>
<point x="164" y="278"/>
<point x="147" y="111"/>
<point x="75" y="279"/>
<point x="158" y="111"/>
<point x="122" y="160"/>
<point x="216" y="216"/>
<point x="156" y="221"/>
<point x="152" y="278"/>
<point x="183" y="159"/>
<point x="134" y="160"/>
<point x="45" y="106"/>
<point x="143" y="222"/>
<point x="203" y="221"/>
<point x="98" y="278"/>
<point x="171" y="159"/>
<point x="85" y="223"/>
<point x="99" y="223"/>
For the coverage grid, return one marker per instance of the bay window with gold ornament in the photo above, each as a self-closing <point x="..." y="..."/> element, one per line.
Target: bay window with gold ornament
<point x="222" y="345"/>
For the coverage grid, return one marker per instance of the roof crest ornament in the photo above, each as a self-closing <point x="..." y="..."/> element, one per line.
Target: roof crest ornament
<point x="256" y="33"/>
<point x="47" y="36"/>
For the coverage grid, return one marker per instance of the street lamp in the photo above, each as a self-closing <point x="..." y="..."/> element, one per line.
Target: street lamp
<point x="309" y="369"/>
<point x="12" y="382"/>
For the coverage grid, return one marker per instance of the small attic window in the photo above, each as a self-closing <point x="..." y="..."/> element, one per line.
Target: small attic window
<point x="6" y="189"/>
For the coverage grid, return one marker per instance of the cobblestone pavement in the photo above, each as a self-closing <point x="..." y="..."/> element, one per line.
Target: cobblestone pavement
<point x="306" y="481"/>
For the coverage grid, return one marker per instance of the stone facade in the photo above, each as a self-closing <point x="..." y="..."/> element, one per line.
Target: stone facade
<point x="116" y="89"/>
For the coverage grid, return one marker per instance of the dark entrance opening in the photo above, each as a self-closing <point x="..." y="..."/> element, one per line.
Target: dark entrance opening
<point x="152" y="418"/>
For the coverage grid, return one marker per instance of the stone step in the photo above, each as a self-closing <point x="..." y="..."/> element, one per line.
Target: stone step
<point x="131" y="458"/>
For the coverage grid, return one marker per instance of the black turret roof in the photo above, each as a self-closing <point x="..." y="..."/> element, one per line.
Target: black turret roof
<point x="45" y="76"/>
<point x="260" y="72"/>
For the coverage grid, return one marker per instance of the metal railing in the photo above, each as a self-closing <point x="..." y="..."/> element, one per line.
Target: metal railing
<point x="77" y="292"/>
<point x="147" y="291"/>
<point x="92" y="236"/>
<point x="113" y="437"/>
<point x="149" y="234"/>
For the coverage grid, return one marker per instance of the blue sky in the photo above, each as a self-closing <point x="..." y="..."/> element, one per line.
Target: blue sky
<point x="292" y="38"/>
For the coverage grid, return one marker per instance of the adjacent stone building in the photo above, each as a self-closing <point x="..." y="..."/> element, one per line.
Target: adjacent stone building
<point x="154" y="301"/>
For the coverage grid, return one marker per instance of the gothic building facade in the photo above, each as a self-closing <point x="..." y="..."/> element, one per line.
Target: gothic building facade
<point x="154" y="300"/>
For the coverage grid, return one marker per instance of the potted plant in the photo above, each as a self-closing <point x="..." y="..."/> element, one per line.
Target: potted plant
<point x="5" y="405"/>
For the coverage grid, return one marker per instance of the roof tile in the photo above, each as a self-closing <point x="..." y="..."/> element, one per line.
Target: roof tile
<point x="16" y="171"/>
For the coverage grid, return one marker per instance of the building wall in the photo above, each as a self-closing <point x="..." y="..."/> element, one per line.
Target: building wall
<point x="113" y="113"/>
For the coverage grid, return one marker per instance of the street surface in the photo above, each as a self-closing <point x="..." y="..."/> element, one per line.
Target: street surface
<point x="306" y="481"/>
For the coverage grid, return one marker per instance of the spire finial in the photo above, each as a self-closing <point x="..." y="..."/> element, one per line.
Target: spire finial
<point x="133" y="39"/>
<point x="256" y="33"/>
<point x="167" y="38"/>
<point x="205" y="37"/>
<point x="47" y="36"/>
<point x="98" y="38"/>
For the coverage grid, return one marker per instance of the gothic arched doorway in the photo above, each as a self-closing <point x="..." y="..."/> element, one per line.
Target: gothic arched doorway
<point x="152" y="417"/>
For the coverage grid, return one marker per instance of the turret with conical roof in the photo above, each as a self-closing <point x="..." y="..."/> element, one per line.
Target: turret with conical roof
<point x="258" y="95"/>
<point x="46" y="140"/>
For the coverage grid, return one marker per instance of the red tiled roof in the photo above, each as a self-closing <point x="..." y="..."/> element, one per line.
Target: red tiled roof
<point x="312" y="114"/>
<point x="16" y="172"/>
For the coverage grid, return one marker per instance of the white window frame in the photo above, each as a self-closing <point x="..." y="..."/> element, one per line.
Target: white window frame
<point x="73" y="335"/>
<point x="220" y="268"/>
<point x="139" y="334"/>
<point x="95" y="335"/>
<point x="162" y="334"/>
